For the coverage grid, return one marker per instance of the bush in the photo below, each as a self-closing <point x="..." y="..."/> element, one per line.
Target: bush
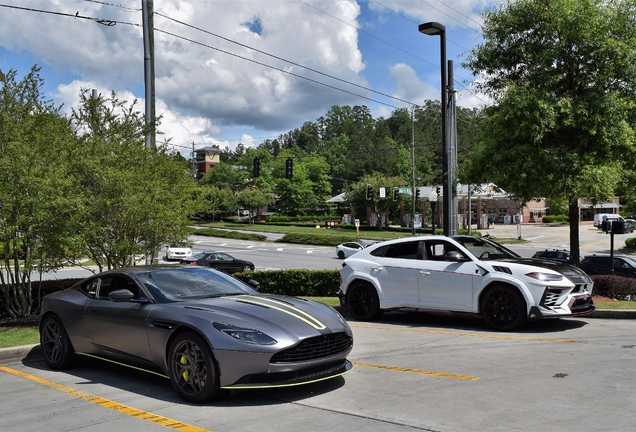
<point x="314" y="283"/>
<point x="631" y="242"/>
<point x="311" y="239"/>
<point x="39" y="290"/>
<point x="615" y="287"/>
<point x="555" y="219"/>
<point x="213" y="232"/>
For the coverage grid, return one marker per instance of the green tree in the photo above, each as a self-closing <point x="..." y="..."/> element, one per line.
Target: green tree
<point x="254" y="200"/>
<point x="134" y="199"/>
<point x="35" y="188"/>
<point x="357" y="195"/>
<point x="562" y="74"/>
<point x="227" y="176"/>
<point x="212" y="200"/>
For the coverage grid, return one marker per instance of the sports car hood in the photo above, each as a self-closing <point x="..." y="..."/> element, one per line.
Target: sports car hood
<point x="272" y="314"/>
<point x="575" y="274"/>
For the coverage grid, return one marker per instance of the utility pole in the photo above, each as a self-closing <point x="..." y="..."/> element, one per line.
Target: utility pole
<point x="451" y="205"/>
<point x="147" y="12"/>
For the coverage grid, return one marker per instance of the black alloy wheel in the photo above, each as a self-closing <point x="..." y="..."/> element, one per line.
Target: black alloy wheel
<point x="341" y="255"/>
<point x="363" y="301"/>
<point x="193" y="372"/>
<point x="56" y="347"/>
<point x="503" y="308"/>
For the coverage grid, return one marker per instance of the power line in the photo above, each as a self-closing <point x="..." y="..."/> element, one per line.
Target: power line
<point x="285" y="60"/>
<point x="278" y="69"/>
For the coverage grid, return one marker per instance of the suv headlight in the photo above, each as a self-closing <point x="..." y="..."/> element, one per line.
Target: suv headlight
<point x="545" y="277"/>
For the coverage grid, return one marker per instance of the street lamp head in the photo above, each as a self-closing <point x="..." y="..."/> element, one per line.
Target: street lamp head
<point x="432" y="28"/>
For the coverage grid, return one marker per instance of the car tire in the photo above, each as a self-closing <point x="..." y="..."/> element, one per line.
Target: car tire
<point x="193" y="371"/>
<point x="247" y="268"/>
<point x="56" y="347"/>
<point x="341" y="255"/>
<point x="503" y="308"/>
<point x="363" y="302"/>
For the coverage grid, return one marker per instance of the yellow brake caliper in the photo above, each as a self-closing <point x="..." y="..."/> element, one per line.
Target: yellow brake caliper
<point x="184" y="361"/>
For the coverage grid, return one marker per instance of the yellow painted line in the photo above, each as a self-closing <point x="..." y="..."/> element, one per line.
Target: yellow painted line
<point x="417" y="371"/>
<point x="449" y="332"/>
<point x="115" y="406"/>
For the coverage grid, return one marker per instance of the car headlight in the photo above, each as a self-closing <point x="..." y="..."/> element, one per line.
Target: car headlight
<point x="244" y="334"/>
<point x="545" y="277"/>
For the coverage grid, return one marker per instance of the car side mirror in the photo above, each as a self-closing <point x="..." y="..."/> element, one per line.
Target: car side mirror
<point x="254" y="284"/>
<point x="454" y="256"/>
<point x="121" y="295"/>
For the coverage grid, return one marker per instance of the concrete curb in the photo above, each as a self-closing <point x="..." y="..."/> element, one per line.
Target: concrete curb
<point x="24" y="351"/>
<point x="19" y="352"/>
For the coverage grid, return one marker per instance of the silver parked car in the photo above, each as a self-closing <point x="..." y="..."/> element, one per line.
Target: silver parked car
<point x="204" y="329"/>
<point x="461" y="274"/>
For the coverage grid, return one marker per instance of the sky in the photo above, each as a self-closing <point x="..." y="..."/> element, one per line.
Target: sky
<point x="243" y="71"/>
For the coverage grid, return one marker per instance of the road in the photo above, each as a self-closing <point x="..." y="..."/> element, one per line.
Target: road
<point x="273" y="256"/>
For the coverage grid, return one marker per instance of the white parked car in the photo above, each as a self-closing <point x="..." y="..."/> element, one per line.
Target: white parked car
<point x="462" y="274"/>
<point x="347" y="249"/>
<point x="177" y="251"/>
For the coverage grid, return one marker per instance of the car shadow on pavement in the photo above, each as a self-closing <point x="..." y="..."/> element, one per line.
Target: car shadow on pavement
<point x="89" y="372"/>
<point x="457" y="322"/>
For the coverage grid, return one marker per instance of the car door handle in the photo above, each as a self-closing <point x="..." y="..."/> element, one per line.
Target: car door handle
<point x="377" y="269"/>
<point x="423" y="272"/>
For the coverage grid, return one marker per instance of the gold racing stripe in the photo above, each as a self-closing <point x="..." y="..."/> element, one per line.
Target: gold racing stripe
<point x="115" y="406"/>
<point x="418" y="371"/>
<point x="286" y="308"/>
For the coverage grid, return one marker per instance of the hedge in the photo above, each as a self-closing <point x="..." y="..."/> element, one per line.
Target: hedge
<point x="306" y="283"/>
<point x="213" y="232"/>
<point x="615" y="287"/>
<point x="39" y="290"/>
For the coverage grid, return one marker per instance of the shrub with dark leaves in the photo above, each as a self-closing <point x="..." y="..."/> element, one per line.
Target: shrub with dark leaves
<point x="615" y="287"/>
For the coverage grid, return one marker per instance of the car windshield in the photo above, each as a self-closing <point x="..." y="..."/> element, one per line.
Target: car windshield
<point x="179" y="284"/>
<point x="198" y="256"/>
<point x="486" y="249"/>
<point x="630" y="261"/>
<point x="178" y="245"/>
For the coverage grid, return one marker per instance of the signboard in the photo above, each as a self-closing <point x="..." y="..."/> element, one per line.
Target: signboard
<point x="357" y="222"/>
<point x="405" y="190"/>
<point x="417" y="225"/>
<point x="382" y="192"/>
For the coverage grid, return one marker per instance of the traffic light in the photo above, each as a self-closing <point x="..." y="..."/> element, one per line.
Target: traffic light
<point x="257" y="167"/>
<point x="417" y="193"/>
<point x="289" y="168"/>
<point x="396" y="194"/>
<point x="369" y="192"/>
<point x="437" y="190"/>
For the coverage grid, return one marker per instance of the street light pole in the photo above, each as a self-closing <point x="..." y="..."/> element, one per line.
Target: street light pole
<point x="437" y="29"/>
<point x="413" y="170"/>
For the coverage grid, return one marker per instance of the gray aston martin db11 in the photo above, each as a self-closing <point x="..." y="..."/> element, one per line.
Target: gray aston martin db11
<point x="204" y="329"/>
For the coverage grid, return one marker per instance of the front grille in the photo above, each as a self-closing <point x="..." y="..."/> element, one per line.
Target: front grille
<point x="314" y="348"/>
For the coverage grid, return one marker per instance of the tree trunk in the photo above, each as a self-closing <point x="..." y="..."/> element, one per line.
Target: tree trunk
<point x="574" y="232"/>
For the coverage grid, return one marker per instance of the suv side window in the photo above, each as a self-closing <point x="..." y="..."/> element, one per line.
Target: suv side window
<point x="407" y="250"/>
